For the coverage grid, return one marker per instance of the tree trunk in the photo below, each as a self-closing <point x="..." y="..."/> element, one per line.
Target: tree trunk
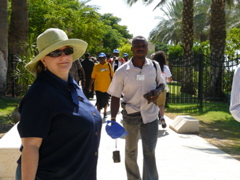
<point x="217" y="47"/>
<point x="3" y="46"/>
<point x="18" y="37"/>
<point x="187" y="44"/>
<point x="18" y="29"/>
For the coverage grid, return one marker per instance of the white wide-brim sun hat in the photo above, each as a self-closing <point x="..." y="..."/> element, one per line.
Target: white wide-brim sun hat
<point x="51" y="40"/>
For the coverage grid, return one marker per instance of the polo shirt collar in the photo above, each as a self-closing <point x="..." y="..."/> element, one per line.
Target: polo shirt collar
<point x="53" y="79"/>
<point x="131" y="66"/>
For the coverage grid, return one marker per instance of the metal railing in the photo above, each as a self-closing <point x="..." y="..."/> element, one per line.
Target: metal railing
<point x="201" y="79"/>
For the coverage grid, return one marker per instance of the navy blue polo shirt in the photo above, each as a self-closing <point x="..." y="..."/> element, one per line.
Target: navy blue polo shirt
<point x="69" y="124"/>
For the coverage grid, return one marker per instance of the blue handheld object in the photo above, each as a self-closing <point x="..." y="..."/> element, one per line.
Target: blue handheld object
<point x="115" y="130"/>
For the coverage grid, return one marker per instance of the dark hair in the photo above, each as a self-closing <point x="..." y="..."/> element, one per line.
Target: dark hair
<point x="139" y="38"/>
<point x="108" y="55"/>
<point x="87" y="55"/>
<point x="160" y="57"/>
<point x="40" y="67"/>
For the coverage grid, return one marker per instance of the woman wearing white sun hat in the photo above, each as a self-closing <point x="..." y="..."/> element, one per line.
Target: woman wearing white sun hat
<point x="59" y="127"/>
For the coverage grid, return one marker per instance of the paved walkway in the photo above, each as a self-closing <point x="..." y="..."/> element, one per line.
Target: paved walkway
<point x="179" y="157"/>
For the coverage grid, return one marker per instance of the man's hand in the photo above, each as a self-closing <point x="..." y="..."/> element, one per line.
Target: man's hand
<point x="153" y="94"/>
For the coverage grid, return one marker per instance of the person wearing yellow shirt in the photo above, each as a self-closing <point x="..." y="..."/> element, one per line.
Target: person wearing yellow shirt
<point x="101" y="77"/>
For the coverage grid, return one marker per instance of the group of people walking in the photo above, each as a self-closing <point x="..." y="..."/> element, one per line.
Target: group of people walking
<point x="60" y="129"/>
<point x="95" y="77"/>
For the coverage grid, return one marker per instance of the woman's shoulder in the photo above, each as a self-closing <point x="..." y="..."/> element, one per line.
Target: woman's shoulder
<point x="38" y="89"/>
<point x="36" y="92"/>
<point x="166" y="67"/>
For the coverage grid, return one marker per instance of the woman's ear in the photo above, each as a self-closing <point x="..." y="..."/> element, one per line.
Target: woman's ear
<point x="43" y="61"/>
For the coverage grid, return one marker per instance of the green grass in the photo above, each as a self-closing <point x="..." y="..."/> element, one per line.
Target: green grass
<point x="216" y="124"/>
<point x="7" y="105"/>
<point x="176" y="96"/>
<point x="208" y="113"/>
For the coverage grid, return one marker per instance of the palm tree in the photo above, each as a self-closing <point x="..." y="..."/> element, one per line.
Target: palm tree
<point x="232" y="16"/>
<point x="187" y="44"/>
<point x="187" y="28"/>
<point x="187" y="24"/>
<point x="18" y="28"/>
<point x="169" y="29"/>
<point x="201" y="19"/>
<point x="217" y="45"/>
<point x="3" y="46"/>
<point x="18" y="34"/>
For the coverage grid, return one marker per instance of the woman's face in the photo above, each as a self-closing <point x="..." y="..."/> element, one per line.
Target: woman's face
<point x="61" y="64"/>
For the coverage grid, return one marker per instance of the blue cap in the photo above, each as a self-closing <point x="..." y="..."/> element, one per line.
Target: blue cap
<point x="125" y="55"/>
<point x="102" y="54"/>
<point x="116" y="51"/>
<point x="115" y="130"/>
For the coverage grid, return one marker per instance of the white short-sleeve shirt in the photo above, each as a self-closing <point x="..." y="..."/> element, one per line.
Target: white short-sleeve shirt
<point x="133" y="82"/>
<point x="166" y="73"/>
<point x="235" y="95"/>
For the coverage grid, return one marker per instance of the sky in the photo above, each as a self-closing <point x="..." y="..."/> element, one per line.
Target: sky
<point x="138" y="18"/>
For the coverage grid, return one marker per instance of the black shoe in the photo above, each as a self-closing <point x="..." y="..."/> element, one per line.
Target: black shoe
<point x="164" y="125"/>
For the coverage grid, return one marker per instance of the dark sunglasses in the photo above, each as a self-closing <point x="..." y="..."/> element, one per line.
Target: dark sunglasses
<point x="58" y="52"/>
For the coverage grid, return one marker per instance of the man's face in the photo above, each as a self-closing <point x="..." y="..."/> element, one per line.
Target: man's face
<point x="139" y="48"/>
<point x="102" y="59"/>
<point x="116" y="54"/>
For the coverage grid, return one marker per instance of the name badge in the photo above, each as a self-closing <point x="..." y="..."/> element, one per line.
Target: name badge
<point x="140" y="77"/>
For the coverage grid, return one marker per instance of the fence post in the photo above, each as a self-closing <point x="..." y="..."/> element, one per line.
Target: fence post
<point x="200" y="79"/>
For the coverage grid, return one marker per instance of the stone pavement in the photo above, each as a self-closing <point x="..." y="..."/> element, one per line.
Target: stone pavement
<point x="179" y="157"/>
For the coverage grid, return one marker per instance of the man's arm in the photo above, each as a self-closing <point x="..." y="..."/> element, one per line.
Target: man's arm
<point x="152" y="96"/>
<point x="169" y="79"/>
<point x="83" y="80"/>
<point x="115" y="102"/>
<point x="90" y="85"/>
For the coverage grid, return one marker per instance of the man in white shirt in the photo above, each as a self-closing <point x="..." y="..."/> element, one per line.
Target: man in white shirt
<point x="235" y="95"/>
<point x="133" y="80"/>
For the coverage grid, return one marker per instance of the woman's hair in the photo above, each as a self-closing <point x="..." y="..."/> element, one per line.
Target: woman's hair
<point x="160" y="57"/>
<point x="40" y="67"/>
